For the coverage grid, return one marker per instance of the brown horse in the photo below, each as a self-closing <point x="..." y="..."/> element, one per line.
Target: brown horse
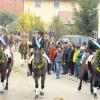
<point x="23" y="47"/>
<point x="5" y="69"/>
<point x="87" y="66"/>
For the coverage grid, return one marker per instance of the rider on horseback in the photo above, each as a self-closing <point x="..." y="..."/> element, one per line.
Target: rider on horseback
<point x="37" y="62"/>
<point x="94" y="49"/>
<point x="38" y="42"/>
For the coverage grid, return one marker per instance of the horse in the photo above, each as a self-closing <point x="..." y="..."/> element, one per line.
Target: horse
<point x="9" y="39"/>
<point x="5" y="69"/>
<point x="23" y="47"/>
<point x="88" y="66"/>
<point x="39" y="68"/>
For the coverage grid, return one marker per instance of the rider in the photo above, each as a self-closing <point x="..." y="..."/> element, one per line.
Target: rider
<point x="93" y="44"/>
<point x="38" y="42"/>
<point x="2" y="33"/>
<point x="7" y="50"/>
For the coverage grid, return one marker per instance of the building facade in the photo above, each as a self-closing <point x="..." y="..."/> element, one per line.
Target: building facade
<point x="46" y="9"/>
<point x="13" y="6"/>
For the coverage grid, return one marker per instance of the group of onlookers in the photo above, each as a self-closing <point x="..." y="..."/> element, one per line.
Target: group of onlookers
<point x="67" y="56"/>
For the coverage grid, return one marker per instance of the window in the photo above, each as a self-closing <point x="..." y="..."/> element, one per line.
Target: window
<point x="56" y="3"/>
<point x="37" y="3"/>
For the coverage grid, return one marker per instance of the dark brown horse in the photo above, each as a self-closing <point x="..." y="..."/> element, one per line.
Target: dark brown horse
<point x="5" y="69"/>
<point x="87" y="66"/>
<point x="39" y="68"/>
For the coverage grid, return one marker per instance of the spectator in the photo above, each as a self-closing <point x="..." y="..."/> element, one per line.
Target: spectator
<point x="75" y="57"/>
<point x="66" y="51"/>
<point x="58" y="60"/>
<point x="82" y="51"/>
<point x="70" y="57"/>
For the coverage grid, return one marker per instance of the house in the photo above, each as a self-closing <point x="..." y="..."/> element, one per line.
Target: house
<point x="46" y="9"/>
<point x="13" y="6"/>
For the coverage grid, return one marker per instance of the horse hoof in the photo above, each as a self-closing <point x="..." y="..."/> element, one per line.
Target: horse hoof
<point x="36" y="97"/>
<point x="79" y="88"/>
<point x="92" y="92"/>
<point x="41" y="93"/>
<point x="95" y="95"/>
<point x="2" y="92"/>
<point x="6" y="88"/>
<point x="29" y="74"/>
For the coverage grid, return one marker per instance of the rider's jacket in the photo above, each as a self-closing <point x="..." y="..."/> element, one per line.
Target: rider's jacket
<point x="40" y="44"/>
<point x="93" y="45"/>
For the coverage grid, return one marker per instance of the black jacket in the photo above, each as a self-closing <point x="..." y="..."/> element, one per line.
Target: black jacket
<point x="65" y="54"/>
<point x="91" y="46"/>
<point x="42" y="43"/>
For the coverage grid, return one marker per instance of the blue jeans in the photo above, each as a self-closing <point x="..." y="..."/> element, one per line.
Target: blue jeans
<point x="79" y="69"/>
<point x="76" y="69"/>
<point x="58" y="68"/>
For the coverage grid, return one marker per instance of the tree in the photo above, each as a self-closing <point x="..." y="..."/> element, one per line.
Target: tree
<point x="11" y="27"/>
<point x="86" y="18"/>
<point x="38" y="25"/>
<point x="28" y="22"/>
<point x="24" y="22"/>
<point x="58" y="27"/>
<point x="6" y="18"/>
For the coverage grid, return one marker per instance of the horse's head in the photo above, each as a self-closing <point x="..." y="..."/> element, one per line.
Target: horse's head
<point x="39" y="61"/>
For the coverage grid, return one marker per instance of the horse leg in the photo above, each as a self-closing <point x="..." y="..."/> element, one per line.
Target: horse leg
<point x="95" y="87"/>
<point x="42" y="84"/>
<point x="8" y="73"/>
<point x="91" y="82"/>
<point x="2" y="84"/>
<point x="36" y="86"/>
<point x="80" y="84"/>
<point x="81" y="78"/>
<point x="22" y="60"/>
<point x="90" y="74"/>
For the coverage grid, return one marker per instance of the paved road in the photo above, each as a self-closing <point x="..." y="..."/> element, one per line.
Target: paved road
<point x="21" y="87"/>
